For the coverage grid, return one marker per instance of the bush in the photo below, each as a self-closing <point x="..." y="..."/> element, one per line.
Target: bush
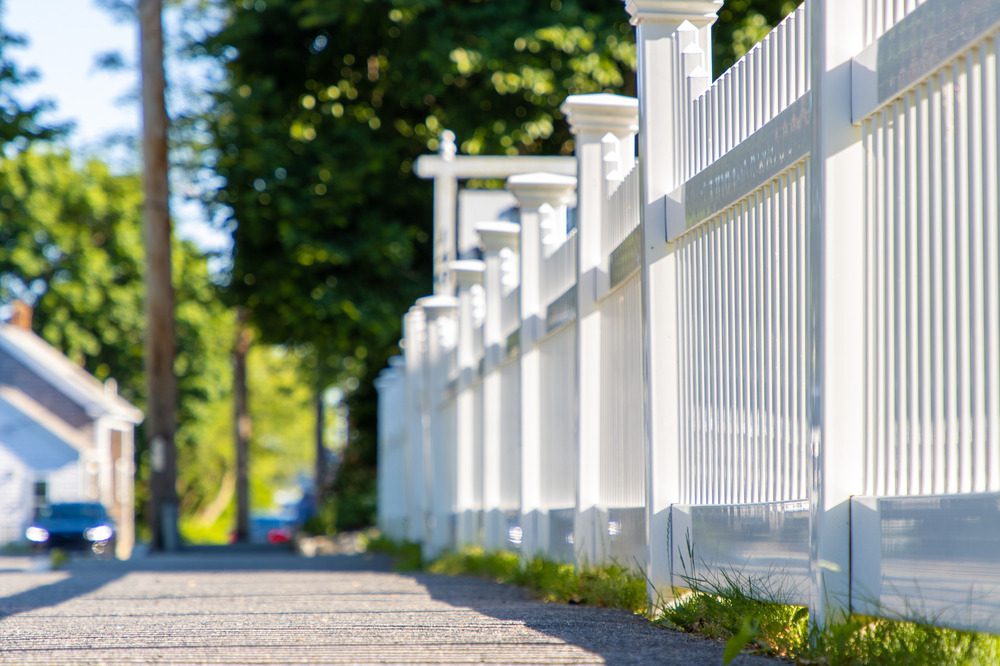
<point x="324" y="521"/>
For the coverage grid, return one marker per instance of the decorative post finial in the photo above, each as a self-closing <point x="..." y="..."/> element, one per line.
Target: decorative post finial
<point x="601" y="113"/>
<point x="700" y="13"/>
<point x="447" y="148"/>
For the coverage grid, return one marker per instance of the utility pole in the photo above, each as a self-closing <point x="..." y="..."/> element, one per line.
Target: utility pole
<point x="161" y="417"/>
<point x="243" y="425"/>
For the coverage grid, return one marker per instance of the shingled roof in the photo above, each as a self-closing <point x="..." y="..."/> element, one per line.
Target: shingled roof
<point x="97" y="399"/>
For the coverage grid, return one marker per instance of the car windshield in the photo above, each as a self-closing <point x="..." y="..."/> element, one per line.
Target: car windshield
<point x="85" y="511"/>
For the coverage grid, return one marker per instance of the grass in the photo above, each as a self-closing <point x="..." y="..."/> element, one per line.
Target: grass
<point x="58" y="558"/>
<point x="406" y="554"/>
<point x="747" y="614"/>
<point x="608" y="586"/>
<point x="735" y="609"/>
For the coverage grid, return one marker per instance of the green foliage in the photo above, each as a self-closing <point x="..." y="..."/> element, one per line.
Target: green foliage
<point x="869" y="640"/>
<point x="744" y="613"/>
<point x="20" y="124"/>
<point x="739" y="641"/>
<point x="58" y="558"/>
<point x="280" y="443"/>
<point x="324" y="522"/>
<point x="736" y="608"/>
<point x="407" y="555"/>
<point x="609" y="586"/>
<point x="71" y="244"/>
<point x="743" y="23"/>
<point x="501" y="566"/>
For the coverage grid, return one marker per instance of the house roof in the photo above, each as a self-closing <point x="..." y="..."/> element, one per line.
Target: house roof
<point x="35" y="445"/>
<point x="67" y="377"/>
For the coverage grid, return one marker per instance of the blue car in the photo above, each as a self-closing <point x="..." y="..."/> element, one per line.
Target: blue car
<point x="73" y="526"/>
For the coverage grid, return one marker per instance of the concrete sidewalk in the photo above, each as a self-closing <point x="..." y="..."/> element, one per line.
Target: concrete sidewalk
<point x="275" y="607"/>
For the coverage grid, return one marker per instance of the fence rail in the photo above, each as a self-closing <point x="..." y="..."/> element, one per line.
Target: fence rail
<point x="773" y="345"/>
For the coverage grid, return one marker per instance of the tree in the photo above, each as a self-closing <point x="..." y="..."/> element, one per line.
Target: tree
<point x="324" y="108"/>
<point x="71" y="244"/>
<point x="743" y="23"/>
<point x="241" y="420"/>
<point x="20" y="124"/>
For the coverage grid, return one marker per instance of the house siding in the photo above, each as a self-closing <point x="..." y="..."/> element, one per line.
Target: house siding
<point x="15" y="497"/>
<point x="15" y="374"/>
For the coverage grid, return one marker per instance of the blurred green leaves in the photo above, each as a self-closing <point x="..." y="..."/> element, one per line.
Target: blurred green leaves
<point x="743" y="23"/>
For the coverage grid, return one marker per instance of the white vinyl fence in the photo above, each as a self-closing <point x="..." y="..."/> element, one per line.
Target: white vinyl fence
<point x="771" y="345"/>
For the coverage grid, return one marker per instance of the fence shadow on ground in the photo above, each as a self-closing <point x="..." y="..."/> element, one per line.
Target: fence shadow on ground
<point x="616" y="636"/>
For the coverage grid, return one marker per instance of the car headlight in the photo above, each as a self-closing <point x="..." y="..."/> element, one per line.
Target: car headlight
<point x="37" y="534"/>
<point x="99" y="533"/>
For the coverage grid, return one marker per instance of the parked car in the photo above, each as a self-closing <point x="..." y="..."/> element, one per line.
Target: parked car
<point x="73" y="526"/>
<point x="270" y="529"/>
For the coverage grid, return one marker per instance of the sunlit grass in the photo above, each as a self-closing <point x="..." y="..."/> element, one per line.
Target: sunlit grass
<point x="608" y="586"/>
<point x="748" y="616"/>
<point x="406" y="555"/>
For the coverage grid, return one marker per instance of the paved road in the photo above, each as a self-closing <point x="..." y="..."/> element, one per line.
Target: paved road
<point x="270" y="607"/>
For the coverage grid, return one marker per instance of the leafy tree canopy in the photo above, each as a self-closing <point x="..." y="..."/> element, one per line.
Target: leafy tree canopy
<point x="743" y="23"/>
<point x="324" y="109"/>
<point x="71" y="245"/>
<point x="20" y="124"/>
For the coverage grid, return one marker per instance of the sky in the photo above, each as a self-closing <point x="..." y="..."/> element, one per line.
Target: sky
<point x="65" y="38"/>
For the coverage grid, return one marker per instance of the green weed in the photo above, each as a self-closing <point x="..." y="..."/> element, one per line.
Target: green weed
<point x="749" y="616"/>
<point x="406" y="555"/>
<point x="58" y="558"/>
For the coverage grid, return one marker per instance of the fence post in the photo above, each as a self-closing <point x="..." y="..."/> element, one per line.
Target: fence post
<point x="392" y="484"/>
<point x="494" y="237"/>
<point x="836" y="307"/>
<point x="662" y="91"/>
<point x="445" y="217"/>
<point x="414" y="341"/>
<point x="440" y="312"/>
<point x="468" y="274"/>
<point x="591" y="119"/>
<point x="533" y="192"/>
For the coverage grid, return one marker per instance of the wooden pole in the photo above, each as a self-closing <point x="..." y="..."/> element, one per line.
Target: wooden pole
<point x="161" y="413"/>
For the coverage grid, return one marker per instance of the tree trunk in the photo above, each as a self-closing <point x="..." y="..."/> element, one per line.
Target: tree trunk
<point x="161" y="414"/>
<point x="320" y="447"/>
<point x="243" y="425"/>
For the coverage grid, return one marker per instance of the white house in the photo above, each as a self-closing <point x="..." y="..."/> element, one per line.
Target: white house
<point x="64" y="435"/>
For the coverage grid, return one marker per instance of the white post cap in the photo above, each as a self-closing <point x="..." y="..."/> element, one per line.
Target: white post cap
<point x="602" y="113"/>
<point x="495" y="236"/>
<point x="534" y="190"/>
<point x="437" y="306"/>
<point x="467" y="271"/>
<point x="700" y="13"/>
